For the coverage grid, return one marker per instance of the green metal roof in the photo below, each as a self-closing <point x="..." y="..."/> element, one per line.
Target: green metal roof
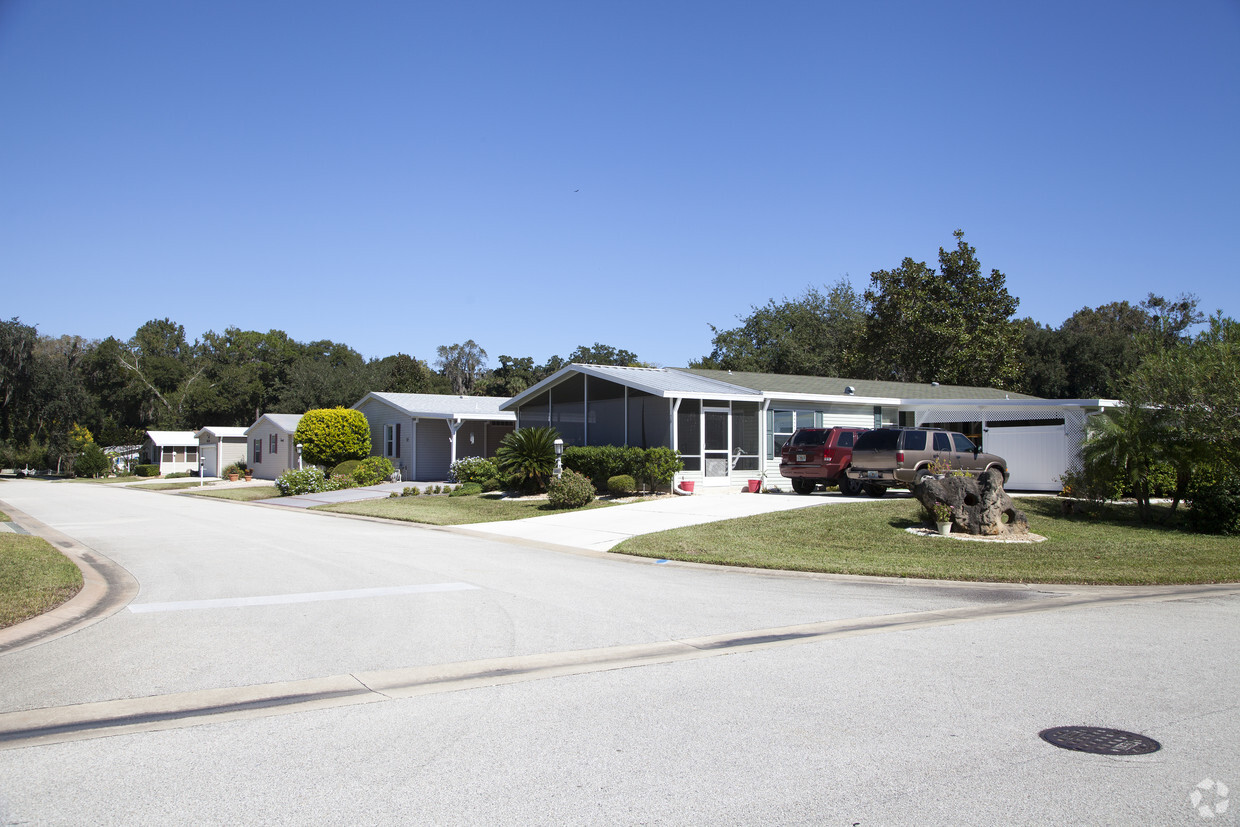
<point x="834" y="386"/>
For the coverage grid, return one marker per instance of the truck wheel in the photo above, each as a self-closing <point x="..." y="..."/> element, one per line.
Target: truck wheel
<point x="802" y="486"/>
<point x="849" y="487"/>
<point x="872" y="490"/>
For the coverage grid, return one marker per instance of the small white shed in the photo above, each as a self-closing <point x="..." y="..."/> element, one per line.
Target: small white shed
<point x="271" y="448"/>
<point x="221" y="446"/>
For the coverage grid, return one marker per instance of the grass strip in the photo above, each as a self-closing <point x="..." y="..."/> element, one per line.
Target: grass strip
<point x="443" y="510"/>
<point x="34" y="578"/>
<point x="247" y="494"/>
<point x="4" y="518"/>
<point x="1109" y="547"/>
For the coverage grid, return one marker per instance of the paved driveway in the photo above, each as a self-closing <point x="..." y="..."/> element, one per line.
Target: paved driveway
<point x="601" y="529"/>
<point x="283" y="666"/>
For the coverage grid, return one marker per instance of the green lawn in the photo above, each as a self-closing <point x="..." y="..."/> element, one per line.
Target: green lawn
<point x="869" y="538"/>
<point x="443" y="510"/>
<point x="172" y="486"/>
<point x="34" y="578"/>
<point x="4" y="518"/>
<point x="250" y="492"/>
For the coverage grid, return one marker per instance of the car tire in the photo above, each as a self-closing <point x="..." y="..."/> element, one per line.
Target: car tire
<point x="872" y="490"/>
<point x="849" y="487"/>
<point x="802" y="486"/>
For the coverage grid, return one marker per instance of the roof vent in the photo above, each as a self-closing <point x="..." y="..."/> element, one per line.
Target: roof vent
<point x="850" y="390"/>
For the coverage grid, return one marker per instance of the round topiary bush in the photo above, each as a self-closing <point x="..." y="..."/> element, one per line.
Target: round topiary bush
<point x="346" y="468"/>
<point x="621" y="485"/>
<point x="372" y="471"/>
<point x="329" y="436"/>
<point x="570" y="490"/>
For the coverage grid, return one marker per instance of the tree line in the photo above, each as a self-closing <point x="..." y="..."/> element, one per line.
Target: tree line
<point x="55" y="389"/>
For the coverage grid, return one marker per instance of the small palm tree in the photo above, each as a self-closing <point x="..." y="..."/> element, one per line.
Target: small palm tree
<point x="1123" y="443"/>
<point x="528" y="457"/>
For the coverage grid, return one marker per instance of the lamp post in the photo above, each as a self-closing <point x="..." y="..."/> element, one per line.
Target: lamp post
<point x="200" y="466"/>
<point x="559" y="456"/>
<point x="299" y="456"/>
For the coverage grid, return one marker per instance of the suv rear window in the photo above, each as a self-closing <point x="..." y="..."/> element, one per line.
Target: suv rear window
<point x="845" y="440"/>
<point x="810" y="436"/>
<point x="914" y="440"/>
<point x="877" y="440"/>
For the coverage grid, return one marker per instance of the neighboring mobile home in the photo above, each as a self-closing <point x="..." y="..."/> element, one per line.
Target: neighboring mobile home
<point x="423" y="433"/>
<point x="172" y="451"/>
<point x="220" y="448"/>
<point x="729" y="427"/>
<point x="271" y="448"/>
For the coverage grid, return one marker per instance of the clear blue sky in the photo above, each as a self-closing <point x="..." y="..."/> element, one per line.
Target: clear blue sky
<point x="537" y="175"/>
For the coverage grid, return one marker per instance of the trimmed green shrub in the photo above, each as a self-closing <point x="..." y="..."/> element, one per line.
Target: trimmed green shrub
<point x="491" y="484"/>
<point x="661" y="466"/>
<point x="329" y="436"/>
<point x="570" y="490"/>
<point x="179" y="475"/>
<point x="1215" y="508"/>
<point x="410" y="491"/>
<point x="621" y="485"/>
<point x="527" y="457"/>
<point x="465" y="489"/>
<point x="346" y="468"/>
<point x="146" y="470"/>
<point x="472" y="469"/>
<point x="372" y="471"/>
<point x="602" y="462"/>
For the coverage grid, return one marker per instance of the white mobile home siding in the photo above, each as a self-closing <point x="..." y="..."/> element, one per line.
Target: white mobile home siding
<point x="272" y="464"/>
<point x="378" y="414"/>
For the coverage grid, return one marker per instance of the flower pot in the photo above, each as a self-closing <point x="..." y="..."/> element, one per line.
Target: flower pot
<point x="944" y="528"/>
<point x="248" y="476"/>
<point x="233" y="477"/>
<point x="755" y="486"/>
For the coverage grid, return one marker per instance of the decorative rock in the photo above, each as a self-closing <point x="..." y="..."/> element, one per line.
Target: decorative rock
<point x="979" y="504"/>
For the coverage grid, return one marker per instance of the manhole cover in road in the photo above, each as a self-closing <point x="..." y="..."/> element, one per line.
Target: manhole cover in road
<point x="1099" y="740"/>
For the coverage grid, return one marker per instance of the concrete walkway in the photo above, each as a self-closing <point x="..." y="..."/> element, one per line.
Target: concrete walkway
<point x="347" y="495"/>
<point x="600" y="529"/>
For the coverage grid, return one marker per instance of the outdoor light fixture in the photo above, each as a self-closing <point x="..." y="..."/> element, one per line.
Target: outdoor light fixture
<point x="559" y="456"/>
<point x="299" y="456"/>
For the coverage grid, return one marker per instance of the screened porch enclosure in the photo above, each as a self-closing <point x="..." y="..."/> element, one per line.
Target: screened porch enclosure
<point x="715" y="438"/>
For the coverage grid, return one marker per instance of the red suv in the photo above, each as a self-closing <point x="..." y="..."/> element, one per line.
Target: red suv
<point x="819" y="456"/>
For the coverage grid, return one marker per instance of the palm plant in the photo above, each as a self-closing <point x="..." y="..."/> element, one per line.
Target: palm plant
<point x="527" y="456"/>
<point x="1122" y="444"/>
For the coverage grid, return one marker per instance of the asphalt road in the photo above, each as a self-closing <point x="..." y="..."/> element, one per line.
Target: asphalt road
<point x="451" y="679"/>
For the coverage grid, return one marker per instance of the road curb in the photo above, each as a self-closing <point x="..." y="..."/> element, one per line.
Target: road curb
<point x="106" y="589"/>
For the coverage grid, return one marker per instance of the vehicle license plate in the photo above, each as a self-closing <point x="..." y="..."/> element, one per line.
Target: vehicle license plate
<point x="800" y="457"/>
<point x="873" y="474"/>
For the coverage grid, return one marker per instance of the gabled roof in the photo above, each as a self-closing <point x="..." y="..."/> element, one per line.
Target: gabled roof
<point x="773" y="384"/>
<point x="739" y="385"/>
<point x="657" y="381"/>
<point x="172" y="437"/>
<point x="285" y="422"/>
<point x="221" y="432"/>
<point x="442" y="406"/>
